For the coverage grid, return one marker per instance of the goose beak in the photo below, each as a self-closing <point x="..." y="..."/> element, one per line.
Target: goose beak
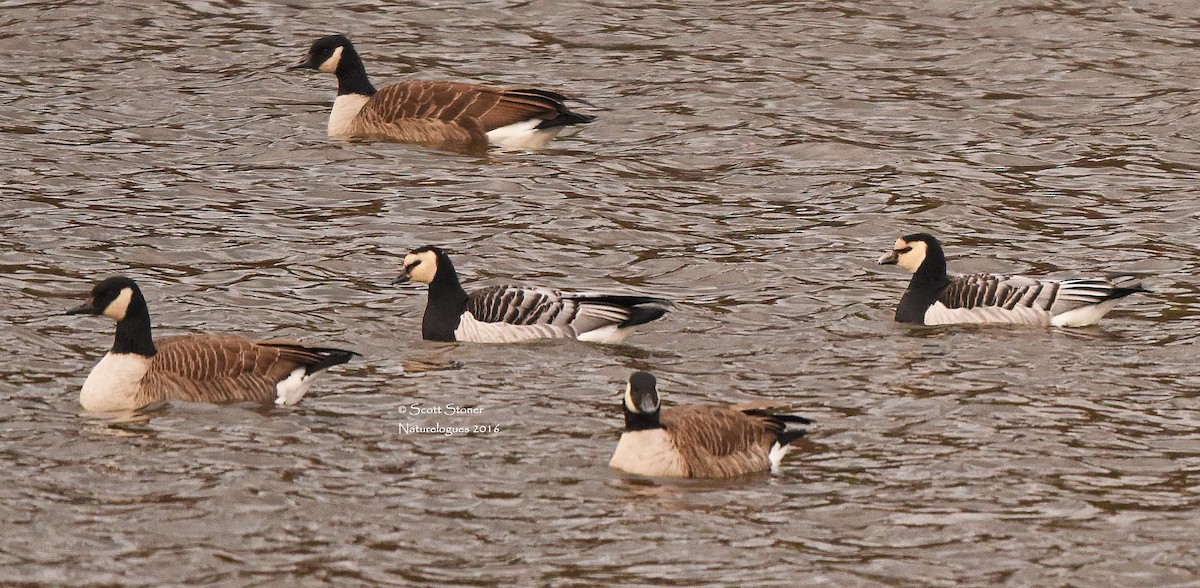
<point x="646" y="404"/>
<point x="403" y="279"/>
<point x="305" y="64"/>
<point x="85" y="308"/>
<point x="890" y="259"/>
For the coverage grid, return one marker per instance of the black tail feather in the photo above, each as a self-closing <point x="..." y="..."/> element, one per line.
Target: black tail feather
<point x="332" y="357"/>
<point x="565" y="118"/>
<point x="642" y="309"/>
<point x="784" y="434"/>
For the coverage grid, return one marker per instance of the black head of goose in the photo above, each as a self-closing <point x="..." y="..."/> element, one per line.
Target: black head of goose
<point x="138" y="370"/>
<point x="512" y="313"/>
<point x="934" y="297"/>
<point x="440" y="114"/>
<point x="706" y="441"/>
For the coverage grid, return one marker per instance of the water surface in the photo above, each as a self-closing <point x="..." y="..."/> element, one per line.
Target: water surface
<point x="751" y="161"/>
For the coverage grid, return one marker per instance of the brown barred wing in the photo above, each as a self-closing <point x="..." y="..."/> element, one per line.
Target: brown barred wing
<point x="218" y="368"/>
<point x="719" y="441"/>
<point x="467" y="107"/>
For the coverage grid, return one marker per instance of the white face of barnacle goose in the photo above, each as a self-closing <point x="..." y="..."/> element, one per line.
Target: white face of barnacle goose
<point x="421" y="266"/>
<point x="906" y="254"/>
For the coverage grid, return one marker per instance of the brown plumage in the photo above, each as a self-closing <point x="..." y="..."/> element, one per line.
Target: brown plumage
<point x="440" y="114"/>
<point x="222" y="368"/>
<point x="196" y="368"/>
<point x="707" y="441"/>
<point x="447" y="114"/>
<point x="717" y="441"/>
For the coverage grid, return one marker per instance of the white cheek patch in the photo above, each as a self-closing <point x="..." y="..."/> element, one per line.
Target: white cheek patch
<point x="330" y="65"/>
<point x="629" y="403"/>
<point x="912" y="260"/>
<point x="426" y="270"/>
<point x="120" y="305"/>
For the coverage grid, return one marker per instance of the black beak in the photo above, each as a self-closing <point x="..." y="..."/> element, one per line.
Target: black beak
<point x="889" y="259"/>
<point x="85" y="308"/>
<point x="403" y="279"/>
<point x="306" y="64"/>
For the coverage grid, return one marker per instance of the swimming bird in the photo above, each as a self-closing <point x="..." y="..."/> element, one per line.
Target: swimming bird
<point x="936" y="298"/>
<point x="511" y="313"/>
<point x="702" y="441"/>
<point x="196" y="368"/>
<point x="440" y="114"/>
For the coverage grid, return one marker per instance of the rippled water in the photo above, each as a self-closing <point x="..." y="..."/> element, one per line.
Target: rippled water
<point x="751" y="162"/>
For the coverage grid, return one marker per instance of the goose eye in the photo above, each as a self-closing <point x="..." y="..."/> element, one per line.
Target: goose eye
<point x="905" y="250"/>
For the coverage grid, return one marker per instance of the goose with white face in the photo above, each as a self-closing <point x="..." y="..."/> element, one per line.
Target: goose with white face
<point x="420" y="266"/>
<point x="934" y="297"/>
<point x="520" y="313"/>
<point x="907" y="255"/>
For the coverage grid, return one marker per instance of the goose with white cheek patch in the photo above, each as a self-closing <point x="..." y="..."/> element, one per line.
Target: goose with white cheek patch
<point x="704" y="441"/>
<point x="139" y="371"/>
<point x="439" y="114"/>
<point x="512" y="313"/>
<point x="936" y="298"/>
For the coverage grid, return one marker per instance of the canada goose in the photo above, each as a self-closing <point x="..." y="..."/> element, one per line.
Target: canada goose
<point x="709" y="441"/>
<point x="194" y="368"/>
<point x="935" y="298"/>
<point x="449" y="115"/>
<point x="509" y="314"/>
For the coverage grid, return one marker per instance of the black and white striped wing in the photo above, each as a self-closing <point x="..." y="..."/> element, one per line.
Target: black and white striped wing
<point x="1077" y="293"/>
<point x="522" y="313"/>
<point x="989" y="298"/>
<point x="520" y="305"/>
<point x="510" y="314"/>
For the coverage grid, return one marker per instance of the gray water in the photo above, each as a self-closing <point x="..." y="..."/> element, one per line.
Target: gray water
<point x="751" y="161"/>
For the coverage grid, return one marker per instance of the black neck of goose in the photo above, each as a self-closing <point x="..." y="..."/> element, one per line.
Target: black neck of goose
<point x="640" y="421"/>
<point x="352" y="76"/>
<point x="447" y="302"/>
<point x="932" y="273"/>
<point x="924" y="289"/>
<point x="133" y="331"/>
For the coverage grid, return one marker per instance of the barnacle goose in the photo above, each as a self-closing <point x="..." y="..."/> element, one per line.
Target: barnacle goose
<point x="511" y="313"/>
<point x="936" y="298"/>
